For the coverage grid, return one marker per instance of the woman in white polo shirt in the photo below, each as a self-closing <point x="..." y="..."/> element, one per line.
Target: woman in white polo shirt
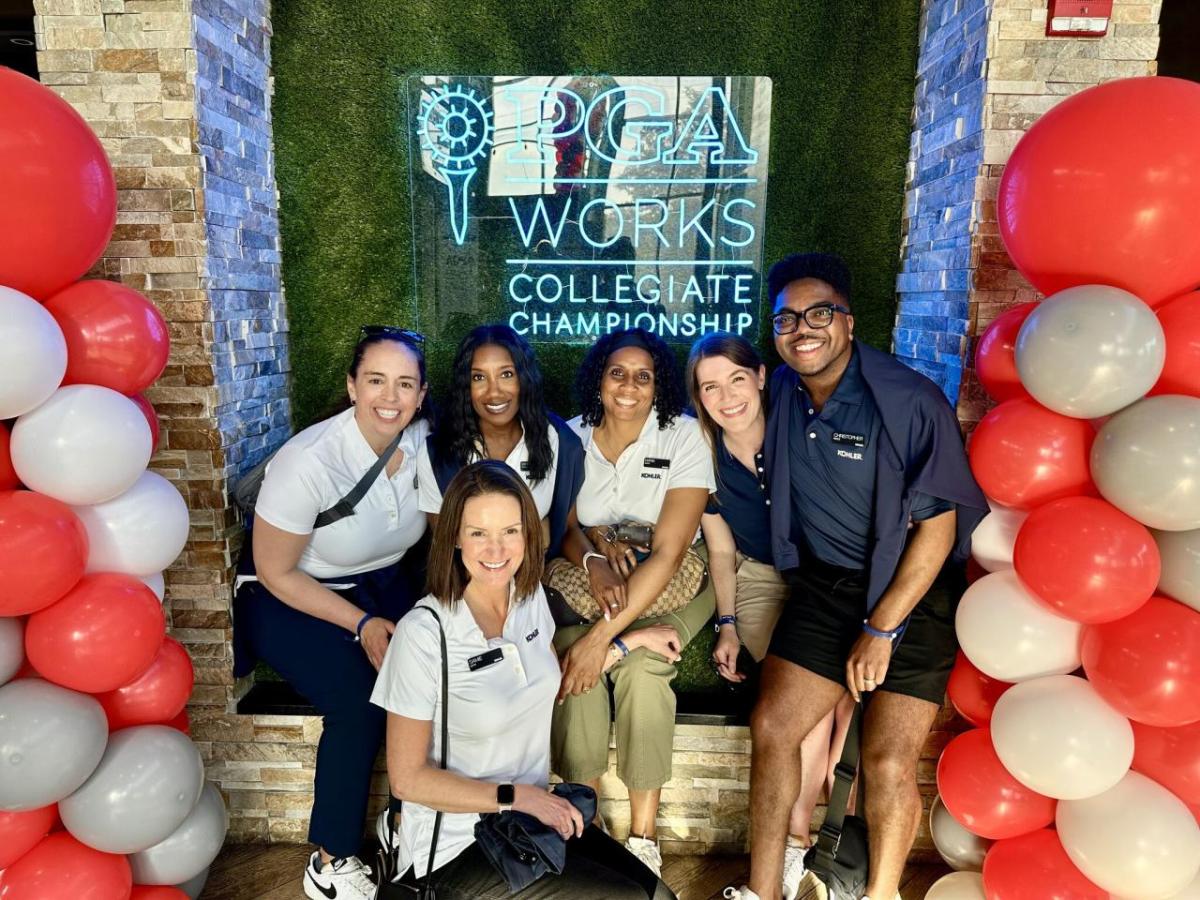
<point x="485" y="568"/>
<point x="495" y="410"/>
<point x="322" y="609"/>
<point x="644" y="461"/>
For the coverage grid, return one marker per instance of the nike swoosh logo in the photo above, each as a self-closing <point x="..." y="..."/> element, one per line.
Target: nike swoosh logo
<point x="329" y="892"/>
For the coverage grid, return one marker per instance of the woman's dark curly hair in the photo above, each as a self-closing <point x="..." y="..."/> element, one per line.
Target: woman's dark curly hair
<point x="669" y="396"/>
<point x="457" y="435"/>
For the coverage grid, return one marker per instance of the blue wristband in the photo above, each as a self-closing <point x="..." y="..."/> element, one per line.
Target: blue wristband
<point x="620" y="645"/>
<point x="361" y="622"/>
<point x="724" y="620"/>
<point x="887" y="635"/>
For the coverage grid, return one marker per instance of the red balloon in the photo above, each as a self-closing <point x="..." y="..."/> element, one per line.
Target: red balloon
<point x="61" y="868"/>
<point x="158" y="695"/>
<point x="1024" y="455"/>
<point x="1035" y="867"/>
<point x="151" y="417"/>
<point x="995" y="357"/>
<point x="181" y="723"/>
<point x="103" y="634"/>
<point x="972" y="693"/>
<point x="1170" y="756"/>
<point x="8" y="475"/>
<point x="1180" y="320"/>
<point x="156" y="892"/>
<point x="1103" y="190"/>
<point x="1087" y="560"/>
<point x="1147" y="665"/>
<point x="60" y="198"/>
<point x="982" y="796"/>
<point x="116" y="338"/>
<point x="43" y="551"/>
<point x="20" y="832"/>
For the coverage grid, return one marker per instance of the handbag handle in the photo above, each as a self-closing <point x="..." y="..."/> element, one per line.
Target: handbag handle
<point x="830" y="834"/>
<point x="437" y="819"/>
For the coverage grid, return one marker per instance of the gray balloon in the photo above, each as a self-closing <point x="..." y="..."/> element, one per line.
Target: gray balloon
<point x="146" y="784"/>
<point x="1180" y="578"/>
<point x="190" y="848"/>
<point x="12" y="648"/>
<point x="1146" y="462"/>
<point x="1090" y="350"/>
<point x="962" y="851"/>
<point x="51" y="740"/>
<point x="193" y="886"/>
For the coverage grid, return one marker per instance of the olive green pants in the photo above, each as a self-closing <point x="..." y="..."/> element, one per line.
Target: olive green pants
<point x="645" y="707"/>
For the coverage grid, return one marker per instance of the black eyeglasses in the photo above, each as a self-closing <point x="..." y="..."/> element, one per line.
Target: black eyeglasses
<point x="391" y="331"/>
<point x="819" y="316"/>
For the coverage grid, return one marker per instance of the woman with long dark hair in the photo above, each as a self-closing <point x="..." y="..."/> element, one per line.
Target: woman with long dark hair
<point x="495" y="409"/>
<point x="648" y="474"/>
<point x="325" y="595"/>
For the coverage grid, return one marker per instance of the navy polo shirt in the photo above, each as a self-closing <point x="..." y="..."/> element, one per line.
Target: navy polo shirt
<point x="832" y="466"/>
<point x="741" y="500"/>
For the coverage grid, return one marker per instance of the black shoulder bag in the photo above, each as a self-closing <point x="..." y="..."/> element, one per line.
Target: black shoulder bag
<point x="388" y="887"/>
<point x="838" y="861"/>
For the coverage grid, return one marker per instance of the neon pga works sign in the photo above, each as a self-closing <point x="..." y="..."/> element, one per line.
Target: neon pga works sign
<point x="574" y="206"/>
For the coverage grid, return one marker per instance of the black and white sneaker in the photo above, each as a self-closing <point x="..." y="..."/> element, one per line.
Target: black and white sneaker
<point x="343" y="878"/>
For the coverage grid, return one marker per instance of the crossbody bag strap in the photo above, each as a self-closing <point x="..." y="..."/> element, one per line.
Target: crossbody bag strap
<point x="844" y="773"/>
<point x="437" y="819"/>
<point x="345" y="507"/>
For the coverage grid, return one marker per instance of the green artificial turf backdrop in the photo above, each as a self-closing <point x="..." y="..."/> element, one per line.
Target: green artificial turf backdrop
<point x="843" y="73"/>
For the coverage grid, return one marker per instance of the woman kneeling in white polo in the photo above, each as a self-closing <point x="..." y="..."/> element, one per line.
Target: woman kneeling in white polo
<point x="485" y="571"/>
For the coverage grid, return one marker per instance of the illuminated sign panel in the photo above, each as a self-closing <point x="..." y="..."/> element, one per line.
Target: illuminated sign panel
<point x="577" y="205"/>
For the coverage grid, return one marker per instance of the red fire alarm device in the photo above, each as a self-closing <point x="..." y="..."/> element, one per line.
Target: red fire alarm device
<point x="1078" y="18"/>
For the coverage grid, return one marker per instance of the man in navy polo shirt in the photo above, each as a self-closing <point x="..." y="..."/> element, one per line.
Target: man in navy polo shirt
<point x="873" y="505"/>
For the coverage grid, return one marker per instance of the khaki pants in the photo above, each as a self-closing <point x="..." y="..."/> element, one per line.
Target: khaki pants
<point x="761" y="594"/>
<point x="645" y="716"/>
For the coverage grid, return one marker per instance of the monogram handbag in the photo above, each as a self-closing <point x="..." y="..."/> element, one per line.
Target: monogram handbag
<point x="389" y="886"/>
<point x="571" y="583"/>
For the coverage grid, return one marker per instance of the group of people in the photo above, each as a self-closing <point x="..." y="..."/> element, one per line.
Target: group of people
<point x="834" y="512"/>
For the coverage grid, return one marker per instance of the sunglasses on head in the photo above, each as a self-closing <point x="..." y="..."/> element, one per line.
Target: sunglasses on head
<point x="391" y="331"/>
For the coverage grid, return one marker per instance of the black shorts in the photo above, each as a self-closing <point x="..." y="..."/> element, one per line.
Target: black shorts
<point x="824" y="615"/>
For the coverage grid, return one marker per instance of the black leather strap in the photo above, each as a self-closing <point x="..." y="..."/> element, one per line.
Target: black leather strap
<point x="345" y="507"/>
<point x="437" y="819"/>
<point x="839" y="797"/>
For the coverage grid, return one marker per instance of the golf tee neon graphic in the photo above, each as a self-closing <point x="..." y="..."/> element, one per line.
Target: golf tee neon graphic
<point x="455" y="127"/>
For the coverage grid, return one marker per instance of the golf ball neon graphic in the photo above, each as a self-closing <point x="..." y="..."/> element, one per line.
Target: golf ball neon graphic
<point x="455" y="128"/>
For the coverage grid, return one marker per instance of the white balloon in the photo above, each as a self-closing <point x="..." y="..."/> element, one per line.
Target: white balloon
<point x="957" y="886"/>
<point x="1008" y="634"/>
<point x="962" y="850"/>
<point x="1057" y="736"/>
<point x="86" y="444"/>
<point x="156" y="583"/>
<point x="34" y="353"/>
<point x="12" y="648"/>
<point x="993" y="539"/>
<point x="1137" y="839"/>
<point x="1191" y="892"/>
<point x="189" y="849"/>
<point x="138" y="533"/>
<point x="1180" y="578"/>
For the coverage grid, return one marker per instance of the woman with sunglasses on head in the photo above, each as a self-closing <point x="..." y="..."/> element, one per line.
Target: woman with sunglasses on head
<point x="493" y="709"/>
<point x="727" y="382"/>
<point x="645" y="464"/>
<point x="321" y="606"/>
<point x="495" y="410"/>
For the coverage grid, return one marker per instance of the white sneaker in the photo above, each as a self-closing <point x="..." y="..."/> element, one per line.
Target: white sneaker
<point x="793" y="869"/>
<point x="343" y="878"/>
<point x="742" y="893"/>
<point x="646" y="851"/>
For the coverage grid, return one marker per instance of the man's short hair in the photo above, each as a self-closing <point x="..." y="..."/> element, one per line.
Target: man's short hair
<point x="827" y="267"/>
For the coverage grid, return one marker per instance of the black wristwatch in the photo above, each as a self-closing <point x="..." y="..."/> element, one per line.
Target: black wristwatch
<point x="506" y="795"/>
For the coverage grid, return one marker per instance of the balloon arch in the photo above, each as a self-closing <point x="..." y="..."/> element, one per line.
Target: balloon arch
<point x="102" y="792"/>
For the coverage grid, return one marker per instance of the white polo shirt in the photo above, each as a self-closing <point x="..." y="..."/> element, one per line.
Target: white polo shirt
<point x="518" y="460"/>
<point x="501" y="701"/>
<point x="660" y="459"/>
<point x="319" y="466"/>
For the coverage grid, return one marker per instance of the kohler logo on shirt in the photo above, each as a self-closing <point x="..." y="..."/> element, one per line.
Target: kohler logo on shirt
<point x="847" y="454"/>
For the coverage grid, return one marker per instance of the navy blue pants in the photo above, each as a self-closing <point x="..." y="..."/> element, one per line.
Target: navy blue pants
<point x="324" y="663"/>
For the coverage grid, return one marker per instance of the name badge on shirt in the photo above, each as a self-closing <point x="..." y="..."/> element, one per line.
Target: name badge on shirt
<point x="483" y="660"/>
<point x="524" y="465"/>
<point x="653" y="462"/>
<point x="846" y="437"/>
